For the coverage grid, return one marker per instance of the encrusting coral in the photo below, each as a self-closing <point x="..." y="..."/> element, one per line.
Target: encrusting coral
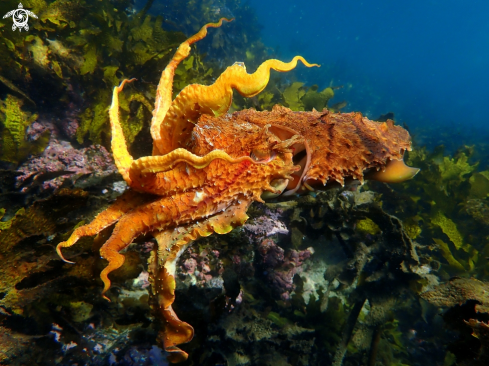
<point x="208" y="167"/>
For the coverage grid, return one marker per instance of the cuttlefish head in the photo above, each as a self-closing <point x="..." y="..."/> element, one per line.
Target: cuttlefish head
<point x="342" y="150"/>
<point x="271" y="156"/>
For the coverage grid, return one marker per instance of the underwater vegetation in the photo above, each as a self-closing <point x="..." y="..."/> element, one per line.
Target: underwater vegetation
<point x="295" y="95"/>
<point x="446" y="208"/>
<point x="354" y="275"/>
<point x="15" y="122"/>
<point x="84" y="48"/>
<point x="79" y="50"/>
<point x="240" y="43"/>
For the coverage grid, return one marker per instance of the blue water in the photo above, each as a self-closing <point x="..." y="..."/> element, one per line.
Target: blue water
<point x="425" y="60"/>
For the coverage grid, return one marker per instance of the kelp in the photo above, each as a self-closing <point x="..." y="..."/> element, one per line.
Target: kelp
<point x="447" y="254"/>
<point x="446" y="208"/>
<point x="368" y="226"/>
<point x="449" y="228"/>
<point x="299" y="98"/>
<point x="88" y="46"/>
<point x="94" y="120"/>
<point x="29" y="225"/>
<point x="193" y="71"/>
<point x="140" y="46"/>
<point x="24" y="53"/>
<point x="294" y="95"/>
<point x="479" y="185"/>
<point x="4" y="225"/>
<point x="14" y="122"/>
<point x="412" y="227"/>
<point x="318" y="100"/>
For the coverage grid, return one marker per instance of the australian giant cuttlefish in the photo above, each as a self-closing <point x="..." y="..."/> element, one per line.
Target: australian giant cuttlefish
<point x="208" y="166"/>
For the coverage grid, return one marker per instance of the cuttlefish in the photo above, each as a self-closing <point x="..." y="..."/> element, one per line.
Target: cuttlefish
<point x="207" y="167"/>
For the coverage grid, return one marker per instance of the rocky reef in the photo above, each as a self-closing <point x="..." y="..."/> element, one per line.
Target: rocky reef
<point x="332" y="276"/>
<point x="354" y="275"/>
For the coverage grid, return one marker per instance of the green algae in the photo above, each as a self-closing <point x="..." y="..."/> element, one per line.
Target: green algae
<point x="450" y="229"/>
<point x="447" y="254"/>
<point x="313" y="99"/>
<point x="94" y="120"/>
<point x="299" y="98"/>
<point x="412" y="228"/>
<point x="448" y="200"/>
<point x="277" y="319"/>
<point x="192" y="71"/>
<point x="14" y="122"/>
<point x="368" y="226"/>
<point x="4" y="225"/>
<point x="88" y="43"/>
<point x="454" y="170"/>
<point x="292" y="96"/>
<point x="479" y="185"/>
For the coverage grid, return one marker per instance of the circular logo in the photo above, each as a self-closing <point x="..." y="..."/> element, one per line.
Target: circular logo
<point x="20" y="17"/>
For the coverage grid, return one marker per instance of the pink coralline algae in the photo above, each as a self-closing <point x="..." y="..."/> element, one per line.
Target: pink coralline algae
<point x="35" y="130"/>
<point x="280" y="267"/>
<point x="190" y="265"/>
<point x="60" y="164"/>
<point x="204" y="265"/>
<point x="69" y="123"/>
<point x="82" y="167"/>
<point x="69" y="127"/>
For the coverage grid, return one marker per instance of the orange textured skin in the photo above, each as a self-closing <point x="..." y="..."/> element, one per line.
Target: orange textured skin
<point x="342" y="144"/>
<point x="208" y="167"/>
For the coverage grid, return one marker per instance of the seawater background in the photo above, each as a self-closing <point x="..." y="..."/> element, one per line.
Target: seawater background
<point x="427" y="61"/>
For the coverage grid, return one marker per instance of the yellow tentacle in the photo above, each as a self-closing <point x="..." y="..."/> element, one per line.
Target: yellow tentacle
<point x="122" y="158"/>
<point x="162" y="267"/>
<point x="249" y="85"/>
<point x="116" y="261"/>
<point x="156" y="164"/>
<point x="125" y="203"/>
<point x="165" y="87"/>
<point x="196" y="100"/>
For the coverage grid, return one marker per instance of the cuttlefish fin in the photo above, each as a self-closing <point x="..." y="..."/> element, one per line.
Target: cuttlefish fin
<point x="395" y="171"/>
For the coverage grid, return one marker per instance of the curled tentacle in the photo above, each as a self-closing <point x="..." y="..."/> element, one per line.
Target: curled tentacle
<point x="125" y="203"/>
<point x="196" y="100"/>
<point x="165" y="86"/>
<point x="162" y="266"/>
<point x="161" y="213"/>
<point x="116" y="260"/>
<point x="139" y="220"/>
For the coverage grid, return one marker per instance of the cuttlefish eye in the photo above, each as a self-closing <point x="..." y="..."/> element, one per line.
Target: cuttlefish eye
<point x="261" y="155"/>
